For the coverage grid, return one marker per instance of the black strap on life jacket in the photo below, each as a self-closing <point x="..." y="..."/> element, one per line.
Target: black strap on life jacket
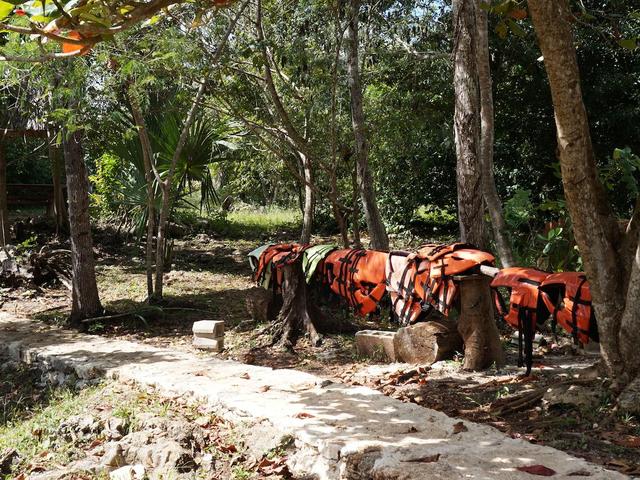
<point x="526" y="331"/>
<point x="574" y="312"/>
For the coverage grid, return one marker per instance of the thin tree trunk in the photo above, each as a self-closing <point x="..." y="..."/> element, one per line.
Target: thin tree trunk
<point x="56" y="158"/>
<point x="166" y="187"/>
<point x="377" y="231"/>
<point x="4" y="209"/>
<point x="309" y="201"/>
<point x="467" y="124"/>
<point x="84" y="297"/>
<point x="596" y="231"/>
<point x="355" y="216"/>
<point x="494" y="206"/>
<point x="147" y="157"/>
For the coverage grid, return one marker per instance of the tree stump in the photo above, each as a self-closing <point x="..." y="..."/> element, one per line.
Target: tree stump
<point x="428" y="342"/>
<point x="261" y="305"/>
<point x="295" y="313"/>
<point x="476" y="324"/>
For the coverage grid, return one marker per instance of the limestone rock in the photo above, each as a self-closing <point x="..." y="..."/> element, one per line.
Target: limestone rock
<point x="629" y="399"/>
<point x="128" y="472"/>
<point x="573" y="395"/>
<point x="113" y="456"/>
<point x="428" y="342"/>
<point x="116" y="428"/>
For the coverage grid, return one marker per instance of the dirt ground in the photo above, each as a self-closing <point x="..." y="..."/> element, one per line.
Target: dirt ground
<point x="209" y="281"/>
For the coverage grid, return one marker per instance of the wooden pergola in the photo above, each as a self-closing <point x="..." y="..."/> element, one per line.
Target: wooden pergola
<point x="59" y="209"/>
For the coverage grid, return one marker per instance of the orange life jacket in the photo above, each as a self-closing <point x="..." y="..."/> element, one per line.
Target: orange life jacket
<point x="527" y="306"/>
<point x="568" y="298"/>
<point x="424" y="280"/>
<point x="406" y="275"/>
<point x="357" y="276"/>
<point x="445" y="262"/>
<point x="273" y="259"/>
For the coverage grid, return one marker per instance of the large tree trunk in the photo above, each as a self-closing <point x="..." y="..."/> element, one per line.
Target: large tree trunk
<point x="611" y="260"/>
<point x="84" y="297"/>
<point x="309" y="200"/>
<point x="147" y="157"/>
<point x="489" y="190"/>
<point x="4" y="210"/>
<point x="467" y="124"/>
<point x="377" y="231"/>
<point x="476" y="324"/>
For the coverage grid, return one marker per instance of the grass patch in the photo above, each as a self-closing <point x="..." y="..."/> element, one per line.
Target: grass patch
<point x="259" y="223"/>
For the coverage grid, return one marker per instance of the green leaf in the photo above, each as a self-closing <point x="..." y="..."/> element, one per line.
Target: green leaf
<point x="515" y="28"/>
<point x="5" y="10"/>
<point x="629" y="43"/>
<point x="502" y="29"/>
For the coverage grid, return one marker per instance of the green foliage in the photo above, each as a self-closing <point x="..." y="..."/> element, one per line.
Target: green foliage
<point x="620" y="177"/>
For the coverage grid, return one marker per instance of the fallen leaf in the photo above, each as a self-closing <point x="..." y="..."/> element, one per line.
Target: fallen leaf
<point x="629" y="441"/>
<point x="459" y="427"/>
<point x="537" y="470"/>
<point x="303" y="415"/>
<point x="96" y="443"/>
<point x="579" y="473"/>
<point x="264" y="388"/>
<point x="245" y="375"/>
<point x="227" y="448"/>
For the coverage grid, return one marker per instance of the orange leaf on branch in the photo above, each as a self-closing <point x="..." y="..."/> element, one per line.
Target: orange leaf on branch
<point x="72" y="48"/>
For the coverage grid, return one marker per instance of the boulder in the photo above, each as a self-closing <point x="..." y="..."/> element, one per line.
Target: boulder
<point x="582" y="397"/>
<point x="128" y="472"/>
<point x="428" y="342"/>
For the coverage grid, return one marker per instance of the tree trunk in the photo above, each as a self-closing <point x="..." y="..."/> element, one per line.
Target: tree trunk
<point x="147" y="157"/>
<point x="477" y="325"/>
<point x="309" y="200"/>
<point x="611" y="259"/>
<point x="295" y="318"/>
<point x="494" y="206"/>
<point x="166" y="187"/>
<point x="85" y="299"/>
<point x="57" y="167"/>
<point x="4" y="209"/>
<point x="377" y="231"/>
<point x="467" y="124"/>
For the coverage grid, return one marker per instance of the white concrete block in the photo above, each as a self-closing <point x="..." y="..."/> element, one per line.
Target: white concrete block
<point x="215" y="344"/>
<point x="209" y="328"/>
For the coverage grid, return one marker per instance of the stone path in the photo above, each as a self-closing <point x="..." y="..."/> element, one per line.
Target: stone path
<point x="340" y="432"/>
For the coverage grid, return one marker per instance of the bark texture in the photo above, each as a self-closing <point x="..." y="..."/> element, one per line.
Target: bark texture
<point x="377" y="231"/>
<point x="4" y="210"/>
<point x="611" y="258"/>
<point x="477" y="325"/>
<point x="56" y="158"/>
<point x="84" y="296"/>
<point x="491" y="198"/>
<point x="309" y="201"/>
<point x="467" y="124"/>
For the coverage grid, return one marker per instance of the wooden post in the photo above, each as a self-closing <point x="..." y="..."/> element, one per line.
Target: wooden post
<point x="4" y="210"/>
<point x="477" y="325"/>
